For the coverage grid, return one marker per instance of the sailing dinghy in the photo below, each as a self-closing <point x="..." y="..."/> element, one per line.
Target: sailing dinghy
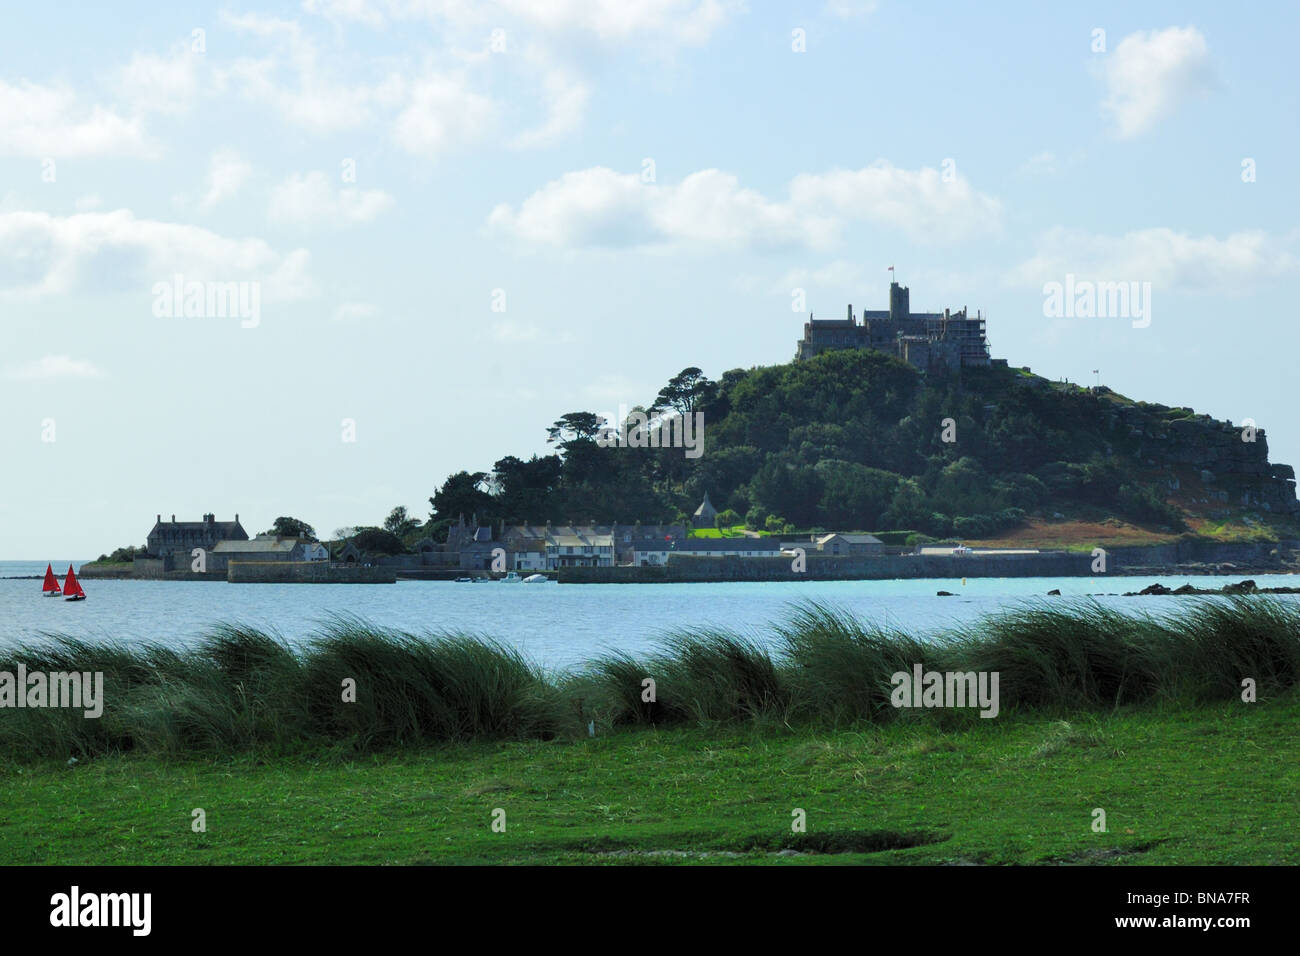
<point x="51" y="586"/>
<point x="72" y="587"/>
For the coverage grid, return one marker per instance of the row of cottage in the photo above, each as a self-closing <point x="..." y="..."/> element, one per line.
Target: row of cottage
<point x="548" y="547"/>
<point x="474" y="546"/>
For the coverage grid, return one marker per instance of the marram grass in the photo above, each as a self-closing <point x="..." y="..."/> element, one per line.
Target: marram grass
<point x="364" y="688"/>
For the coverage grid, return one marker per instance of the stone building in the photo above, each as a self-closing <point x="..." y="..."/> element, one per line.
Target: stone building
<point x="705" y="515"/>
<point x="930" y="341"/>
<point x="171" y="537"/>
<point x="749" y="546"/>
<point x="545" y="547"/>
<point x="265" y="548"/>
<point x="839" y="542"/>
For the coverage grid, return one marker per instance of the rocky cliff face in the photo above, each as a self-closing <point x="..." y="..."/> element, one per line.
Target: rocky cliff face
<point x="1229" y="462"/>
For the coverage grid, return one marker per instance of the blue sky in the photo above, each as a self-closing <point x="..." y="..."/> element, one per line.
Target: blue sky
<point x="463" y="220"/>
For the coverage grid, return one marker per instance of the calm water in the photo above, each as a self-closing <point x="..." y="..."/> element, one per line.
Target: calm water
<point x="557" y="625"/>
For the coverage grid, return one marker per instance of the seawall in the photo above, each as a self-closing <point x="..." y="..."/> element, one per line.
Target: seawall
<point x="688" y="568"/>
<point x="306" y="572"/>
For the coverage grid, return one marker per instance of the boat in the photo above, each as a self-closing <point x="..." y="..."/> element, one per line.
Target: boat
<point x="536" y="579"/>
<point x="511" y="578"/>
<point x="51" y="586"/>
<point x="464" y="580"/>
<point x="72" y="590"/>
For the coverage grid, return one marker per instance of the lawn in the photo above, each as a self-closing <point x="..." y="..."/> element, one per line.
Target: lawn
<point x="1215" y="784"/>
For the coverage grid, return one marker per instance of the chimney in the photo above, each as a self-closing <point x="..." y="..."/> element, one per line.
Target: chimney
<point x="173" y="519"/>
<point x="236" y="517"/>
<point x="160" y="519"/>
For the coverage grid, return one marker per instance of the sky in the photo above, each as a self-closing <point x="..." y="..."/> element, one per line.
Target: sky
<point x="445" y="224"/>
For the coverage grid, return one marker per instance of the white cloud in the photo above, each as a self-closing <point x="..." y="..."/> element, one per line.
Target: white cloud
<point x="227" y="173"/>
<point x="43" y="255"/>
<point x="160" y="84"/>
<point x="916" y="202"/>
<point x="1150" y="74"/>
<point x="49" y="121"/>
<point x="355" y="311"/>
<point x="613" y="21"/>
<point x="313" y="198"/>
<point x="600" y="207"/>
<point x="356" y="11"/>
<point x="441" y="112"/>
<point x="295" y="81"/>
<point x="1160" y="256"/>
<point x="53" y="368"/>
<point x="679" y="21"/>
<point x="566" y="102"/>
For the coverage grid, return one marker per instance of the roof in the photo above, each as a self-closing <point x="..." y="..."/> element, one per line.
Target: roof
<point x="259" y="545"/>
<point x="706" y="509"/>
<point x="581" y="540"/>
<point x="850" y="538"/>
<point x="229" y="529"/>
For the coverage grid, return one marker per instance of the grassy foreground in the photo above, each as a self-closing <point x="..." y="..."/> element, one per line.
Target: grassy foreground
<point x="1139" y="716"/>
<point x="1214" y="784"/>
<point x="368" y="689"/>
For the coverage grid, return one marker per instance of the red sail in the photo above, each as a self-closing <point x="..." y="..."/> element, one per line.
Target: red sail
<point x="51" y="585"/>
<point x="71" y="586"/>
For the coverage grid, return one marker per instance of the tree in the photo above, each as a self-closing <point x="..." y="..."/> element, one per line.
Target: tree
<point x="400" y="523"/>
<point x="575" y="427"/>
<point x="292" y="528"/>
<point x="377" y="539"/>
<point x="686" y="392"/>
<point x="524" y="490"/>
<point x="461" y="494"/>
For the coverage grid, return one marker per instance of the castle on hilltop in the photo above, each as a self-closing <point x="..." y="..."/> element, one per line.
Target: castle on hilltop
<point x="930" y="341"/>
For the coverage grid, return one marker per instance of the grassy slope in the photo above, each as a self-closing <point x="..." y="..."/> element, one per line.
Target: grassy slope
<point x="1213" y="785"/>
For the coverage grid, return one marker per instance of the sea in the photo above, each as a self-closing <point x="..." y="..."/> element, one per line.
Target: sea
<point x="557" y="625"/>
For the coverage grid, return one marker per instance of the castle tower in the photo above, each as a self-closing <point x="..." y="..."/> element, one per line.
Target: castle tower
<point x="900" y="306"/>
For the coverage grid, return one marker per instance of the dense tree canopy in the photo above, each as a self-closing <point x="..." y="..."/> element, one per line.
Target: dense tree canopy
<point x="851" y="440"/>
<point x="292" y="528"/>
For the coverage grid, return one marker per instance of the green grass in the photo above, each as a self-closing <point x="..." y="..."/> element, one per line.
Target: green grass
<point x="736" y="531"/>
<point x="1208" y="784"/>
<point x="367" y="689"/>
<point x="1140" y="716"/>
